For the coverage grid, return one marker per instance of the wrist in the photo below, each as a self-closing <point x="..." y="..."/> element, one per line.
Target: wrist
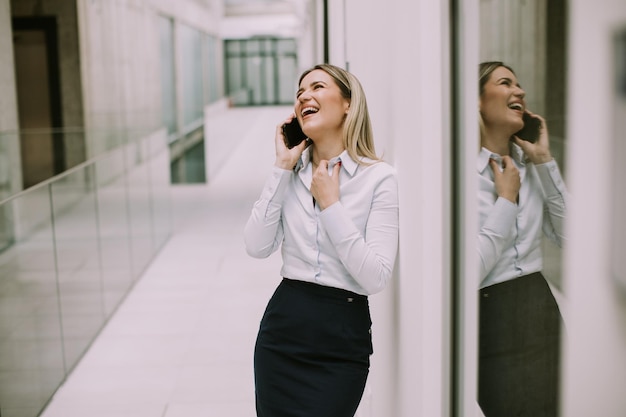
<point x="512" y="198"/>
<point x="542" y="159"/>
<point x="284" y="164"/>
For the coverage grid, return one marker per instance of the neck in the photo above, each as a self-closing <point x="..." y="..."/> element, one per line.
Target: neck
<point x="497" y="143"/>
<point x="326" y="151"/>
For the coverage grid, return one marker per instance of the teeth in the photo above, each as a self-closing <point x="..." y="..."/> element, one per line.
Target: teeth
<point x="308" y="110"/>
<point x="516" y="106"/>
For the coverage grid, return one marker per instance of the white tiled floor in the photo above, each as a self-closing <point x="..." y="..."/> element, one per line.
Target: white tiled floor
<point x="181" y="343"/>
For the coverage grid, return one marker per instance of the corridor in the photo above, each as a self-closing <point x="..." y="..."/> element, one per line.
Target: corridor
<point x="181" y="343"/>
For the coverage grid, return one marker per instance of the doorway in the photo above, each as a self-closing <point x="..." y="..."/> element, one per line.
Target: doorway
<point x="35" y="48"/>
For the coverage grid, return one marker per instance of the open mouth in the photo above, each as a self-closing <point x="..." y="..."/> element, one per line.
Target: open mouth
<point x="516" y="106"/>
<point x="308" y="110"/>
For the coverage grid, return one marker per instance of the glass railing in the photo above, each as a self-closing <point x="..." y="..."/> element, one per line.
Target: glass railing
<point x="71" y="248"/>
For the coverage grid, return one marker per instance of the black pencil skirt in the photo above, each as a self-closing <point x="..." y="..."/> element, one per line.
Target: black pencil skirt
<point x="519" y="349"/>
<point x="312" y="353"/>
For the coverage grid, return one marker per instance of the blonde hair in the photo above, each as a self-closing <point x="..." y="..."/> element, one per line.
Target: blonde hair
<point x="484" y="72"/>
<point x="485" y="69"/>
<point x="357" y="135"/>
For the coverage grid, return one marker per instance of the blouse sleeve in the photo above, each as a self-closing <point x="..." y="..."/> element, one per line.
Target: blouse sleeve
<point x="263" y="233"/>
<point x="369" y="258"/>
<point x="555" y="201"/>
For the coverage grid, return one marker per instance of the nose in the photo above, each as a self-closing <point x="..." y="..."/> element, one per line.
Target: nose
<point x="519" y="92"/>
<point x="304" y="96"/>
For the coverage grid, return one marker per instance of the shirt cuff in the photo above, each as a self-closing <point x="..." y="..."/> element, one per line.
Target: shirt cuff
<point x="550" y="178"/>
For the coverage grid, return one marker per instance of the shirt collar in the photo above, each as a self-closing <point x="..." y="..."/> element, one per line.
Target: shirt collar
<point x="485" y="155"/>
<point x="347" y="163"/>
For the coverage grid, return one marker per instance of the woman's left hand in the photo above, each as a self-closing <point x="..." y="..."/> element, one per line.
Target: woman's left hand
<point x="538" y="152"/>
<point x="325" y="186"/>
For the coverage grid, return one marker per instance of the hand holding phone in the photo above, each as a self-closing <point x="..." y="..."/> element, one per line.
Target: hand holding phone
<point x="530" y="131"/>
<point x="293" y="133"/>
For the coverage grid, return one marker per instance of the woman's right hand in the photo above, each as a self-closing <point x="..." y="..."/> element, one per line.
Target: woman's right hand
<point x="287" y="158"/>
<point x="507" y="181"/>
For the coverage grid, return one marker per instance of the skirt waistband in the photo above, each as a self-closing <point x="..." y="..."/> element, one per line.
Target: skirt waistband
<point x="513" y="285"/>
<point x="328" y="292"/>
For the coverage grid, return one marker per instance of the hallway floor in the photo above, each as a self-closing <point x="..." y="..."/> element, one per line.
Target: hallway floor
<point x="181" y="344"/>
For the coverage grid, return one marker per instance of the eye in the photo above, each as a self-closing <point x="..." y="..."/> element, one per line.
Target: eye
<point x="318" y="86"/>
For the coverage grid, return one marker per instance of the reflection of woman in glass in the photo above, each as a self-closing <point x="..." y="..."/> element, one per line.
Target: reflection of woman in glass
<point x="521" y="195"/>
<point x="332" y="207"/>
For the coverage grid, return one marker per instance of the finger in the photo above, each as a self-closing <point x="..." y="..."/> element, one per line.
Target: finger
<point x="336" y="169"/>
<point x="507" y="162"/>
<point x="302" y="145"/>
<point x="494" y="167"/>
<point x="524" y="144"/>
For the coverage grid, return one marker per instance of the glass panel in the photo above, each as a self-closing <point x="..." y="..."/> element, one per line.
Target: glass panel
<point x="253" y="47"/>
<point x="114" y="228"/>
<point x="160" y="197"/>
<point x="71" y="249"/>
<point x="234" y="75"/>
<point x="31" y="348"/>
<point x="78" y="260"/>
<point x="287" y="68"/>
<point x="139" y="205"/>
<point x="268" y="72"/>
<point x="286" y="46"/>
<point x="233" y="47"/>
<point x="168" y="80"/>
<point x="212" y="65"/>
<point x="265" y="76"/>
<point x="190" y="45"/>
<point x="253" y="80"/>
<point x="530" y="38"/>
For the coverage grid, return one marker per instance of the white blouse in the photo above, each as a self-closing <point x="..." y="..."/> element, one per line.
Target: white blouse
<point x="509" y="240"/>
<point x="352" y="244"/>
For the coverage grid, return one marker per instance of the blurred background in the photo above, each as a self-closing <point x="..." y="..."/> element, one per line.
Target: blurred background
<point x="134" y="132"/>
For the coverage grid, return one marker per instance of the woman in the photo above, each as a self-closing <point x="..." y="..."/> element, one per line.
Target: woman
<point x="521" y="195"/>
<point x="332" y="207"/>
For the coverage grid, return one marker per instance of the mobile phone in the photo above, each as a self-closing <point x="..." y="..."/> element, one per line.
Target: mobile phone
<point x="293" y="133"/>
<point x="530" y="131"/>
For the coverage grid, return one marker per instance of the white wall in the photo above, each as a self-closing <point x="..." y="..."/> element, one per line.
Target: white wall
<point x="595" y="356"/>
<point x="398" y="50"/>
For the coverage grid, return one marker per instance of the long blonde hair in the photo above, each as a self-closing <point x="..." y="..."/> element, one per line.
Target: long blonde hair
<point x="357" y="135"/>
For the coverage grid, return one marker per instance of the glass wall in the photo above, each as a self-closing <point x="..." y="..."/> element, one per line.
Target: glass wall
<point x="212" y="86"/>
<point x="190" y="78"/>
<point x="191" y="71"/>
<point x="168" y="73"/>
<point x="531" y="38"/>
<point x="78" y="242"/>
<point x="261" y="71"/>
